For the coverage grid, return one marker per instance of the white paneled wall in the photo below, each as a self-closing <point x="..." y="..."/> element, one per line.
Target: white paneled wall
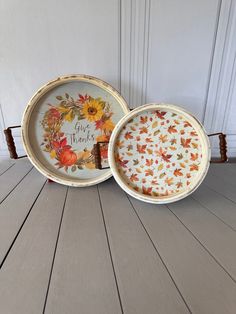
<point x="177" y="51"/>
<point x="221" y="102"/>
<point x="43" y="39"/>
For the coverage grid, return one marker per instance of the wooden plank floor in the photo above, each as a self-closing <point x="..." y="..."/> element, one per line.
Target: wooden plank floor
<point x="96" y="250"/>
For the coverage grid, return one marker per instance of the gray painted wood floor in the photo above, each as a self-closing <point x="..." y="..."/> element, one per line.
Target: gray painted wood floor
<point x="96" y="250"/>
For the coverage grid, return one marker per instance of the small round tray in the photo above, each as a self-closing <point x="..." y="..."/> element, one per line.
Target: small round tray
<point x="63" y="121"/>
<point x="159" y="153"/>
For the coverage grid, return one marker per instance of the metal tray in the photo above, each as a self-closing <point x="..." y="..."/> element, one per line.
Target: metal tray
<point x="63" y="121"/>
<point x="159" y="153"/>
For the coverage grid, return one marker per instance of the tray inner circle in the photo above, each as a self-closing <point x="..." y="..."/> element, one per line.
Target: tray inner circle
<point x="159" y="153"/>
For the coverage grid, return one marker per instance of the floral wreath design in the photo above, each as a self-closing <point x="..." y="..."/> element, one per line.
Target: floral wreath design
<point x="94" y="110"/>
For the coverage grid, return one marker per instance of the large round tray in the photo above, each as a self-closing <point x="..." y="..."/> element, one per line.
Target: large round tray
<point x="63" y="121"/>
<point x="159" y="153"/>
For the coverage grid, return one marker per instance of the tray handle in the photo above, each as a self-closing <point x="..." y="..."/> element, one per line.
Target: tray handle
<point x="222" y="146"/>
<point x="10" y="142"/>
<point x="98" y="160"/>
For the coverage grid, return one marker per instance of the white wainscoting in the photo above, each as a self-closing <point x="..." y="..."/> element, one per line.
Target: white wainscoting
<point x="176" y="51"/>
<point x="221" y="103"/>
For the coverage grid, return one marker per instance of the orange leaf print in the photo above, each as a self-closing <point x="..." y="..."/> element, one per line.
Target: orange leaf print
<point x="178" y="173"/>
<point x="166" y="157"/>
<point x="141" y="148"/>
<point x="172" y="129"/>
<point x="128" y="135"/>
<point x="160" y="114"/>
<point x="163" y="155"/>
<point x="154" y="182"/>
<point x="163" y="138"/>
<point x="182" y="165"/>
<point x="149" y="162"/>
<point x="195" y="145"/>
<point x="185" y="142"/>
<point x="122" y="162"/>
<point x="173" y="141"/>
<point x="120" y="144"/>
<point x="133" y="177"/>
<point x="193" y="133"/>
<point x="159" y="152"/>
<point x="143" y="130"/>
<point x="193" y="167"/>
<point x="143" y="120"/>
<point x="186" y="124"/>
<point x="148" y="140"/>
<point x="172" y="148"/>
<point x="194" y="156"/>
<point x="169" y="181"/>
<point x="148" y="172"/>
<point x="147" y="191"/>
<point x="179" y="185"/>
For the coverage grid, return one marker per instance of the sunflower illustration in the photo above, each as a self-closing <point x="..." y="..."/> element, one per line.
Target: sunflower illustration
<point x="92" y="110"/>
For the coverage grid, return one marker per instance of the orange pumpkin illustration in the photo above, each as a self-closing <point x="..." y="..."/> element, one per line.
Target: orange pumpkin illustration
<point x="68" y="157"/>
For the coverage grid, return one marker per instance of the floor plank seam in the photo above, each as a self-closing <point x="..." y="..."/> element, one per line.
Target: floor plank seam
<point x="18" y="232"/>
<point x="55" y="250"/>
<point x="110" y="252"/>
<point x="159" y="255"/>
<point x="16" y="186"/>
<point x="209" y="210"/>
<point x="207" y="184"/>
<point x="6" y="169"/>
<point x="205" y="248"/>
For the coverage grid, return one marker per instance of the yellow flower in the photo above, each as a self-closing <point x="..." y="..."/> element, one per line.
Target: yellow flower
<point x="92" y="110"/>
<point x="108" y="125"/>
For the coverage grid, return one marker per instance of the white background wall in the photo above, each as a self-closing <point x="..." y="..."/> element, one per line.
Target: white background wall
<point x="177" y="51"/>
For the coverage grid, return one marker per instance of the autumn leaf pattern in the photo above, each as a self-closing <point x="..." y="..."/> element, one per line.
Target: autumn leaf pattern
<point x="158" y="153"/>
